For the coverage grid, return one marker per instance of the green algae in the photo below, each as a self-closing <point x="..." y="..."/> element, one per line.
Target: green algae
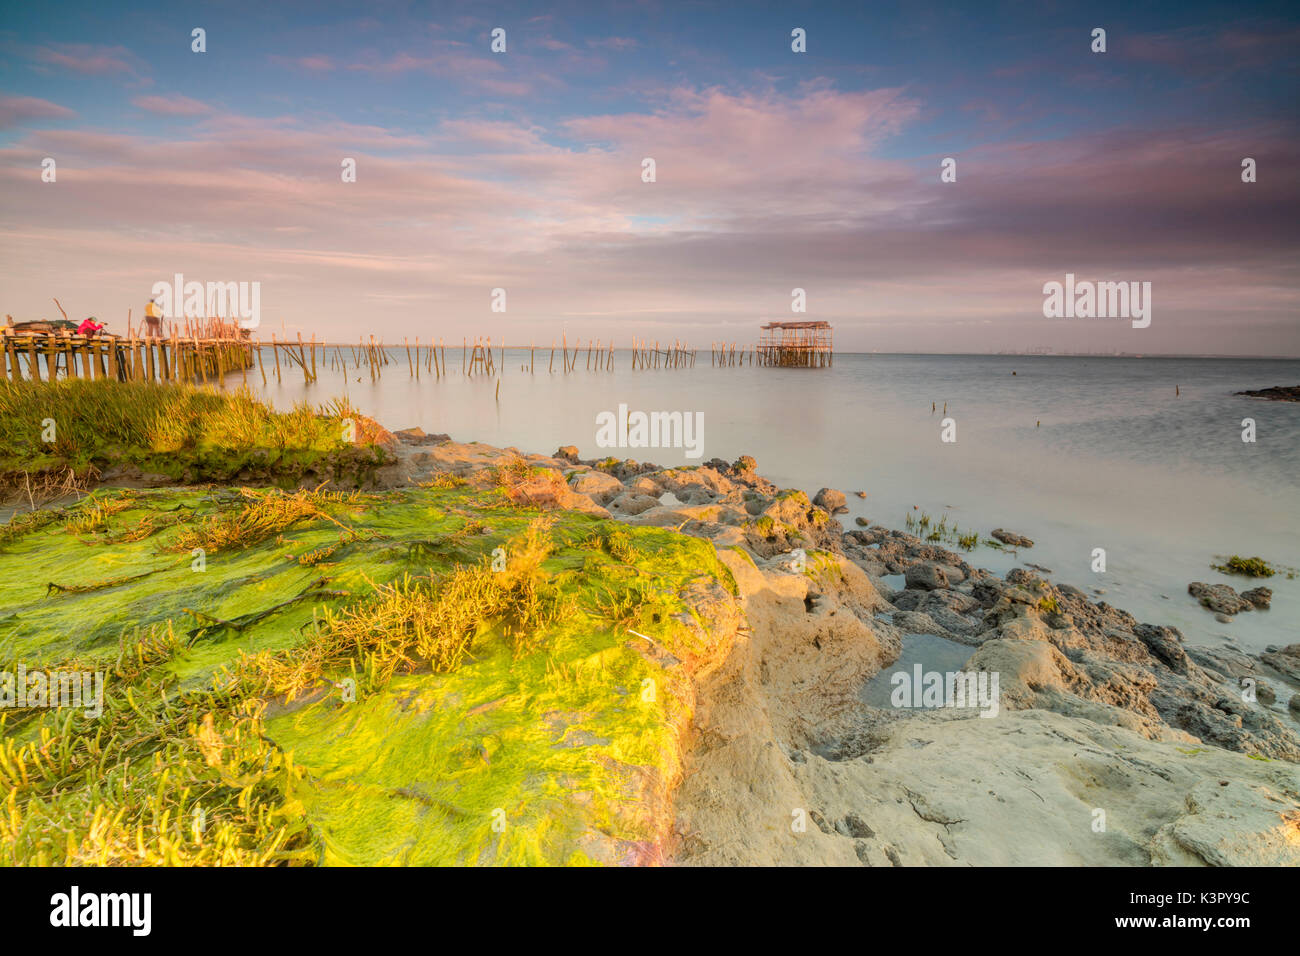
<point x="558" y="748"/>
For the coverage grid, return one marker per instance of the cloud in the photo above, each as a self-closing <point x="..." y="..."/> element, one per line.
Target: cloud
<point x="757" y="192"/>
<point x="613" y="43"/>
<point x="18" y="109"/>
<point x="175" y="105"/>
<point x="90" y="58"/>
<point x="316" y="63"/>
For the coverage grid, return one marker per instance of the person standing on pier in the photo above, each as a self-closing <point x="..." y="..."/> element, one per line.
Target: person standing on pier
<point x="153" y="320"/>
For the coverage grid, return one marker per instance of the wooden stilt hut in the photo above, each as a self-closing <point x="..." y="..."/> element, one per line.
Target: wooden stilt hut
<point x="796" y="345"/>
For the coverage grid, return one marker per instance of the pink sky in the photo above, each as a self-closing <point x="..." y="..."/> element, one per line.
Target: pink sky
<point x="758" y="192"/>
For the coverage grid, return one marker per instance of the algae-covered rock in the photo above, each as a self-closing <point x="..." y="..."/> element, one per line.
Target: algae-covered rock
<point x="428" y="675"/>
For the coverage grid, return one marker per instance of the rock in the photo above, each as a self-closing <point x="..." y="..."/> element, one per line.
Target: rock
<point x="1287" y="661"/>
<point x="1165" y="643"/>
<point x="596" y="485"/>
<point x="1294" y="704"/>
<point x="1230" y="823"/>
<point x="567" y="453"/>
<point x="630" y="503"/>
<point x="832" y="500"/>
<point x="1226" y="661"/>
<point x="1278" y="393"/>
<point x="418" y="436"/>
<point x="861" y="494"/>
<point x="917" y="622"/>
<point x="1264" y="693"/>
<point x="854" y="826"/>
<point x="743" y="464"/>
<point x="1261" y="597"/>
<point x="1224" y="619"/>
<point x="862" y="522"/>
<point x="927" y="601"/>
<point x="1011" y="538"/>
<point x="1218" y="597"/>
<point x="927" y="576"/>
<point x="1022" y="578"/>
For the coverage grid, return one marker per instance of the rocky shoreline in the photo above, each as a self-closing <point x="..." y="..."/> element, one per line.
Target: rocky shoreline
<point x="1278" y="393"/>
<point x="1187" y="755"/>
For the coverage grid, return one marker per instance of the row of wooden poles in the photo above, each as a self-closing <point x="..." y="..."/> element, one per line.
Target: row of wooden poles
<point x="481" y="357"/>
<point x="182" y="358"/>
<point x="725" y="355"/>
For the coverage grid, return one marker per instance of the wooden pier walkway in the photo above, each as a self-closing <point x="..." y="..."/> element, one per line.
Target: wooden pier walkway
<point x="47" y="356"/>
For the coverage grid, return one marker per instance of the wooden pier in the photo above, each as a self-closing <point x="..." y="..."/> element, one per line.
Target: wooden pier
<point x="796" y="345"/>
<point x="209" y="359"/>
<point x="49" y="356"/>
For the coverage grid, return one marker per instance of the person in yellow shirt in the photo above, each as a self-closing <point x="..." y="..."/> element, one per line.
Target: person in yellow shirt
<point x="153" y="320"/>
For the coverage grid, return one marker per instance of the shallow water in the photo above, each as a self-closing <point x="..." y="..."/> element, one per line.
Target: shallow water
<point x="932" y="652"/>
<point x="1076" y="453"/>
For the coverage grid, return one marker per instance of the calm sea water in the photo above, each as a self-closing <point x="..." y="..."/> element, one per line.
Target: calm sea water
<point x="1076" y="453"/>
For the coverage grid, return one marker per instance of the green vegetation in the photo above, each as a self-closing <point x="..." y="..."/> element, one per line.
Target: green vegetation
<point x="433" y="675"/>
<point x="188" y="433"/>
<point x="1251" y="567"/>
<point x="823" y="568"/>
<point x="922" y="525"/>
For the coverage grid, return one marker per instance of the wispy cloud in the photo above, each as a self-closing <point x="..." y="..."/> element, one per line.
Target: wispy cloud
<point x="18" y="109"/>
<point x="174" y="105"/>
<point x="314" y="63"/>
<point x="91" y="59"/>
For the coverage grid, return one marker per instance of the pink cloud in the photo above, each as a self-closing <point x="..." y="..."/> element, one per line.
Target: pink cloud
<point x="18" y="109"/>
<point x="175" y="105"/>
<point x="613" y="43"/>
<point x="90" y="58"/>
<point x="757" y="192"/>
<point x="316" y="63"/>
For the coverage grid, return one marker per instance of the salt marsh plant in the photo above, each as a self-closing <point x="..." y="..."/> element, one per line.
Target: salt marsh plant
<point x="923" y="526"/>
<point x="182" y="431"/>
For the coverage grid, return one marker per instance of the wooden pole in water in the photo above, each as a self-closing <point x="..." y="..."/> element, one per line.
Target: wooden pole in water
<point x="258" y="349"/>
<point x="275" y="350"/>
